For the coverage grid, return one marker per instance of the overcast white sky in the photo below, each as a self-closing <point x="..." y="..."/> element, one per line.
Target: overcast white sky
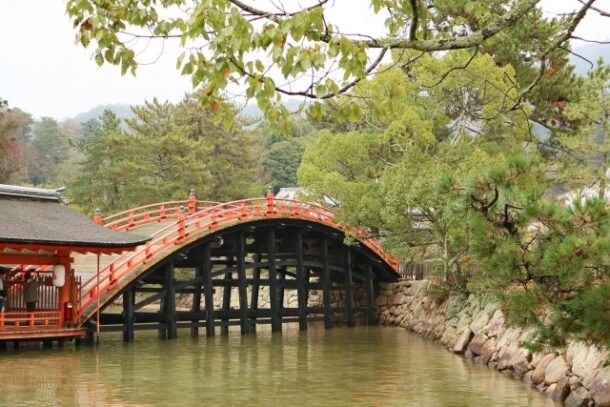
<point x="44" y="73"/>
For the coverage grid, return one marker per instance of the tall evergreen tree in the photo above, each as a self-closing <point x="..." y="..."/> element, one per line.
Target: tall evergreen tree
<point x="282" y="153"/>
<point x="589" y="140"/>
<point x="48" y="149"/>
<point x="14" y="134"/>
<point x="230" y="155"/>
<point x="109" y="171"/>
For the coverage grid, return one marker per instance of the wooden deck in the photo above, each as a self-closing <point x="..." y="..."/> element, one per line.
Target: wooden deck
<point x="38" y="334"/>
<point x="34" y="326"/>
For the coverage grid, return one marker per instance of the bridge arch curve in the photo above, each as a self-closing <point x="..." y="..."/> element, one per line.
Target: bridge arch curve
<point x="238" y="264"/>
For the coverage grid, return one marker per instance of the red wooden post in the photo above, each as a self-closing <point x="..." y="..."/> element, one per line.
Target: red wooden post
<point x="65" y="292"/>
<point x="181" y="222"/>
<point x="192" y="202"/>
<point x="97" y="218"/>
<point x="270" y="201"/>
<point x="111" y="274"/>
<point x="213" y="219"/>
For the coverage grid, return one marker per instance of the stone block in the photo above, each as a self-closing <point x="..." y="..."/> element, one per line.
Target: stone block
<point x="447" y="335"/>
<point x="520" y="361"/>
<point x="579" y="397"/>
<point x="587" y="360"/>
<point x="561" y="391"/>
<point x="462" y="338"/>
<point x="398" y="299"/>
<point x="496" y="324"/>
<point x="556" y="370"/>
<point x="510" y="336"/>
<point x="538" y="375"/>
<point x="576" y="348"/>
<point x="599" y="388"/>
<point x="479" y="322"/>
<point x="477" y="343"/>
<point x="488" y="350"/>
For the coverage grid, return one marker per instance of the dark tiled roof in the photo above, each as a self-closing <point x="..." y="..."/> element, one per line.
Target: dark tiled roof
<point x="30" y="193"/>
<point x="46" y="221"/>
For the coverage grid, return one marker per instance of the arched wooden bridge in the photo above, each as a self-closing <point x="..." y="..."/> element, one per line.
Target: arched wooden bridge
<point x="237" y="263"/>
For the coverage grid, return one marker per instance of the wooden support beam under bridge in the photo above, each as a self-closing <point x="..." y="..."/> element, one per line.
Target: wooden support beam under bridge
<point x="280" y="262"/>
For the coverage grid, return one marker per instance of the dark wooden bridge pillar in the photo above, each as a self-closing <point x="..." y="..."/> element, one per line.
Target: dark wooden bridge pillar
<point x="128" y="314"/>
<point x="208" y="289"/>
<point x="302" y="281"/>
<point x="226" y="296"/>
<point x="170" y="302"/>
<point x="196" y="307"/>
<point x="328" y="311"/>
<point x="349" y="288"/>
<point x="274" y="297"/>
<point x="256" y="277"/>
<point x="370" y="296"/>
<point x="244" y="312"/>
<point x="281" y="293"/>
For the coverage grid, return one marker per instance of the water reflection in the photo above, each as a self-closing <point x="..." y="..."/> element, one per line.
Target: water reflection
<point x="338" y="367"/>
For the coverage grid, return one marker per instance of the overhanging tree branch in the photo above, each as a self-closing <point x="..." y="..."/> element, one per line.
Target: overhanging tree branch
<point x="554" y="44"/>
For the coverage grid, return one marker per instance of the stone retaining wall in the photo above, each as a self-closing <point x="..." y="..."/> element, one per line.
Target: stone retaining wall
<point x="476" y="328"/>
<point x="314" y="299"/>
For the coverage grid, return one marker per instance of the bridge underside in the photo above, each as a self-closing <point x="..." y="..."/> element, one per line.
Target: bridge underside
<point x="264" y="272"/>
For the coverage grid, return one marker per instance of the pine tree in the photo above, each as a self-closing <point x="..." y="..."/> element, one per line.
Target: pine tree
<point x="48" y="149"/>
<point x="109" y="171"/>
<point x="589" y="141"/>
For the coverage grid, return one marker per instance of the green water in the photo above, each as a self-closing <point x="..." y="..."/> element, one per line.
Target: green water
<point x="337" y="367"/>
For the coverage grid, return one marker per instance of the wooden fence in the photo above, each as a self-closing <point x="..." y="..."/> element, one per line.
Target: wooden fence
<point x="48" y="297"/>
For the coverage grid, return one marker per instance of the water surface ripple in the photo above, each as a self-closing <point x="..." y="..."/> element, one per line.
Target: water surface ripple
<point x="338" y="367"/>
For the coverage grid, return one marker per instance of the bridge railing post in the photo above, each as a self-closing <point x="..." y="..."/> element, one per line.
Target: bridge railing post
<point x="270" y="201"/>
<point x="97" y="218"/>
<point x="181" y="222"/>
<point x="192" y="202"/>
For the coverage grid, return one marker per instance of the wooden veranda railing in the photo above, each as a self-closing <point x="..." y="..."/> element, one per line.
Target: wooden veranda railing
<point x="48" y="297"/>
<point x="47" y="314"/>
<point x="16" y="321"/>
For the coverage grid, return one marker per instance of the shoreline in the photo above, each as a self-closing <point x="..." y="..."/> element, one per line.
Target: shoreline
<point x="475" y="328"/>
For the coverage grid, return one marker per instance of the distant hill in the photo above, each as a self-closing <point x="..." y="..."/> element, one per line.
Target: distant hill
<point x="592" y="52"/>
<point x="121" y="110"/>
<point x="251" y="110"/>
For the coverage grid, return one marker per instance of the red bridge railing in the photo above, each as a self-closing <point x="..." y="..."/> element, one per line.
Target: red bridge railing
<point x="193" y="222"/>
<point x="157" y="212"/>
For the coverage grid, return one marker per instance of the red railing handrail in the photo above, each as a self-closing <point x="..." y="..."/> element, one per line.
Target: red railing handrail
<point x="211" y="218"/>
<point x="29" y="320"/>
<point x="151" y="213"/>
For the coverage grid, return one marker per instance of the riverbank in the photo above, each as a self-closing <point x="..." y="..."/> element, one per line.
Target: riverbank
<point x="475" y="327"/>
